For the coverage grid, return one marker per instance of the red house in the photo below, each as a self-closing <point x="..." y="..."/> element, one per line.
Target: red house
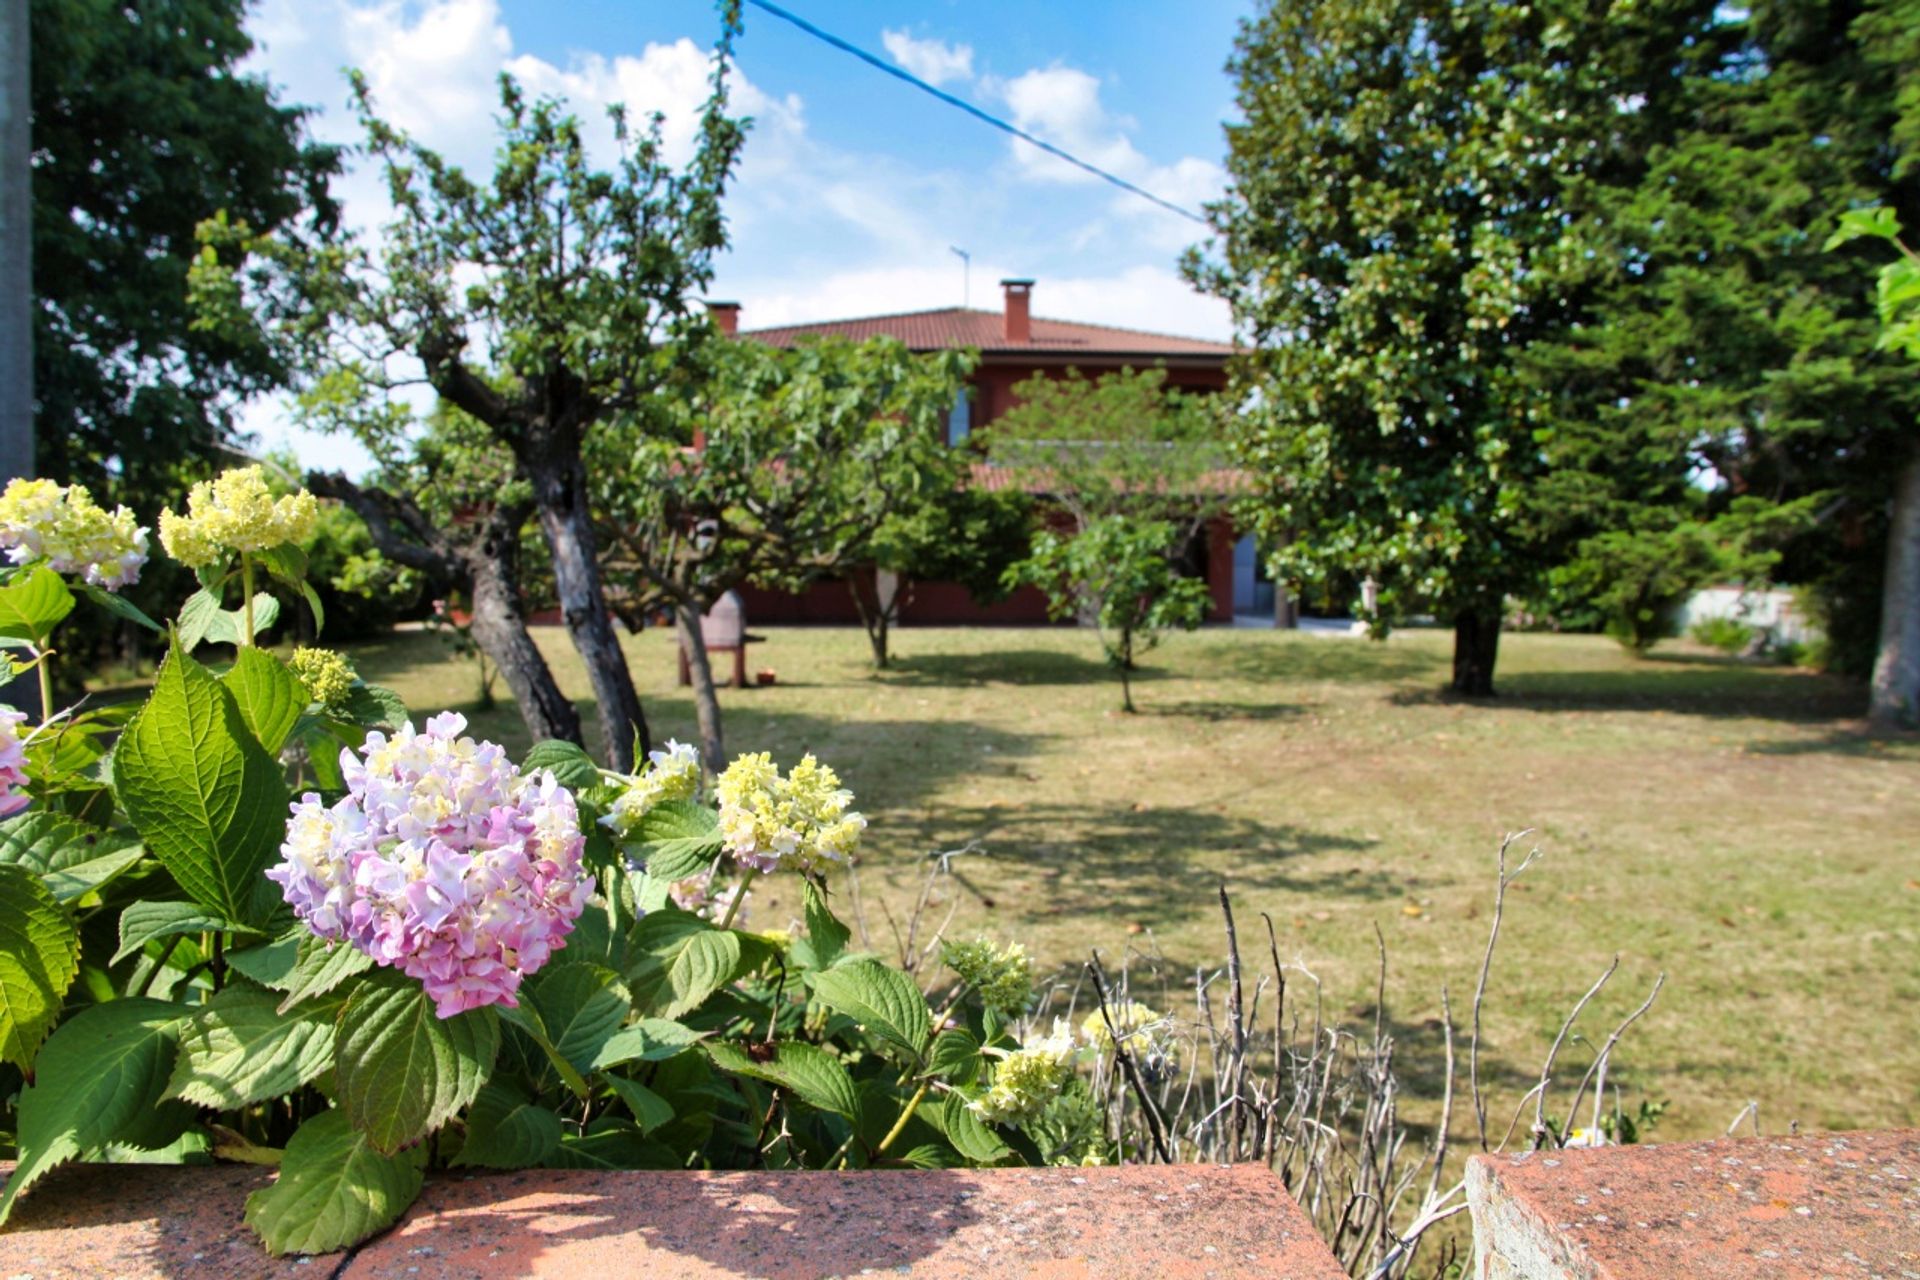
<point x="1014" y="345"/>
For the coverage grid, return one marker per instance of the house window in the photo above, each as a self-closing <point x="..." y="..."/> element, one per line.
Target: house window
<point x="960" y="418"/>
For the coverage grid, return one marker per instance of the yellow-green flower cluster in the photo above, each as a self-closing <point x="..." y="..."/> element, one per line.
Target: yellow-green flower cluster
<point x="64" y="528"/>
<point x="235" y="512"/>
<point x="1028" y="1079"/>
<point x="1003" y="979"/>
<point x="327" y="676"/>
<point x="671" y="773"/>
<point x="800" y="822"/>
<point x="1145" y="1033"/>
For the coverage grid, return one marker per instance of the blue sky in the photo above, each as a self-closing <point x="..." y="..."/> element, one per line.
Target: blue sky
<point x="853" y="184"/>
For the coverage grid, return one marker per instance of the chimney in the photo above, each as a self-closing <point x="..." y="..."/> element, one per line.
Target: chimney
<point x="726" y="315"/>
<point x="1019" y="295"/>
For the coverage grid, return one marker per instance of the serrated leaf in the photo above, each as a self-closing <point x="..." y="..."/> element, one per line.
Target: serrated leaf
<point x="31" y="606"/>
<point x="39" y="958"/>
<point x="271" y="964"/>
<point x="676" y="839"/>
<point x="375" y="707"/>
<point x="203" y="621"/>
<point x="581" y="1006"/>
<point x="286" y="562"/>
<point x="196" y="618"/>
<point x="526" y="1019"/>
<point x="612" y="1146"/>
<point x="932" y="1155"/>
<point x="239" y="1049"/>
<point x="269" y="696"/>
<point x="570" y="763"/>
<point x="100" y="1076"/>
<point x="207" y="798"/>
<point x="955" y="1056"/>
<point x="806" y="1071"/>
<point x="678" y="960"/>
<point x="401" y="1070"/>
<point x="312" y="598"/>
<point x="650" y="1110"/>
<point x="141" y="922"/>
<point x="968" y="1133"/>
<point x="322" y="966"/>
<point x="882" y="999"/>
<point x="648" y="1040"/>
<point x="505" y="1131"/>
<point x="74" y="860"/>
<point x="118" y="606"/>
<point x="827" y="938"/>
<point x="335" y="1189"/>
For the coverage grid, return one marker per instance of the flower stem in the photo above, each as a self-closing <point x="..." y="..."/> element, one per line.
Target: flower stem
<point x="739" y="896"/>
<point x="46" y="686"/>
<point x="900" y="1124"/>
<point x="246" y="598"/>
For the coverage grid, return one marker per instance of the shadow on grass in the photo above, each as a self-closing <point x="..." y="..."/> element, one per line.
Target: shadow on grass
<point x="1295" y="656"/>
<point x="1710" y="689"/>
<point x="1008" y="666"/>
<point x="1223" y="710"/>
<point x="1153" y="867"/>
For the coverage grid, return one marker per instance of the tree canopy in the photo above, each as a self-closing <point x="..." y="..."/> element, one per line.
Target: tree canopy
<point x="142" y="127"/>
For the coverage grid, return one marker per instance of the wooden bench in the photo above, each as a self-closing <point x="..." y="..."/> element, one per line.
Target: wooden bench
<point x="724" y="629"/>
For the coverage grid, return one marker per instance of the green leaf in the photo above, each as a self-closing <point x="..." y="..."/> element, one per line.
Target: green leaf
<point x="883" y="1000"/>
<point x="33" y="605"/>
<point x="806" y="1071"/>
<point x="662" y="975"/>
<point x="286" y="562"/>
<point x="322" y="966"/>
<point x="39" y="958"/>
<point x="270" y="698"/>
<point x="1878" y="223"/>
<point x="240" y="1049"/>
<point x="505" y="1131"/>
<point x="969" y="1134"/>
<point x="312" y="598"/>
<point x="526" y="1019"/>
<point x="569" y="762"/>
<point x="335" y="1189"/>
<point x="374" y="707"/>
<point x="826" y="937"/>
<point x="676" y="839"/>
<point x="402" y="1071"/>
<point x="271" y="964"/>
<point x="581" y="1006"/>
<point x="100" y="1076"/>
<point x="650" y="1110"/>
<point x="955" y="1056"/>
<point x="141" y="922"/>
<point x="118" y="606"/>
<point x="203" y="621"/>
<point x="74" y="860"/>
<point x="612" y="1146"/>
<point x="648" y="1040"/>
<point x="207" y="798"/>
<point x="197" y="617"/>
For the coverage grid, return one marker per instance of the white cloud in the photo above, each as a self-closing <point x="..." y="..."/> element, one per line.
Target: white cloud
<point x="934" y="61"/>
<point x="1061" y="105"/>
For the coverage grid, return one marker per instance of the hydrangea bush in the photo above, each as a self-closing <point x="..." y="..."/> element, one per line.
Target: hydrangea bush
<point x="266" y="916"/>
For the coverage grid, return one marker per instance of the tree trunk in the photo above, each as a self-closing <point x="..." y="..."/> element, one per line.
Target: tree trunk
<point x="876" y="615"/>
<point x="706" y="702"/>
<point x="1476" y="643"/>
<point x="1126" y="672"/>
<point x="560" y="492"/>
<point x="501" y="632"/>
<point x="1896" y="668"/>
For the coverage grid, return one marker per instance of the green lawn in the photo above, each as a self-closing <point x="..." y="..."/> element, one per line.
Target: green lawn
<point x="1725" y="823"/>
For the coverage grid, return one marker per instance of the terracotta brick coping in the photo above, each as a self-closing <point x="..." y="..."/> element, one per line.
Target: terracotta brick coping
<point x="1162" y="1221"/>
<point x="1800" y="1208"/>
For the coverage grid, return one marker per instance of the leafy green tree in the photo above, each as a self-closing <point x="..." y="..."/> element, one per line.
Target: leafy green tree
<point x="1896" y="668"/>
<point x="802" y="457"/>
<point x="1407" y="217"/>
<point x="546" y="304"/>
<point x="1118" y="573"/>
<point x="967" y="535"/>
<point x="1119" y="444"/>
<point x="142" y="126"/>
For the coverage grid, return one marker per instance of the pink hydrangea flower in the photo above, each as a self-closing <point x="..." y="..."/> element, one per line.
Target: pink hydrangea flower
<point x="443" y="861"/>
<point x="13" y="763"/>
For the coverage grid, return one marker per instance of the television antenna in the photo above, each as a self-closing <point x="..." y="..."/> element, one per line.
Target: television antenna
<point x="966" y="275"/>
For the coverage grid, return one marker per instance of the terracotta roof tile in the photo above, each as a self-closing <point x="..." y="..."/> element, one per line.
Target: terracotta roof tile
<point x="958" y="327"/>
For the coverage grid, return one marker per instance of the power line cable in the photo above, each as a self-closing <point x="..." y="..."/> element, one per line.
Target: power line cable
<point x="900" y="73"/>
